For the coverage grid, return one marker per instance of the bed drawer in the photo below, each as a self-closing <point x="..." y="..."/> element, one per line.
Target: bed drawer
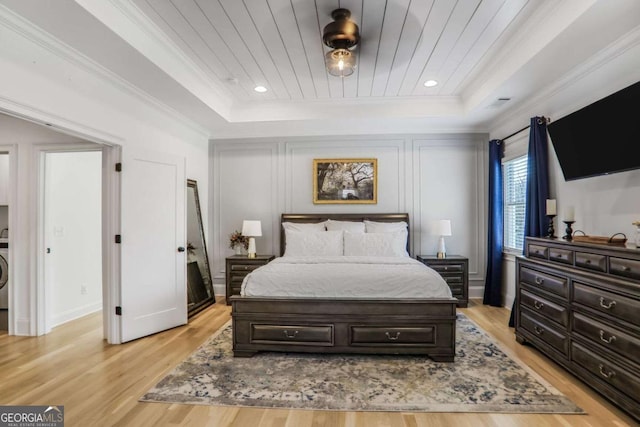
<point x="321" y="335"/>
<point x="400" y="335"/>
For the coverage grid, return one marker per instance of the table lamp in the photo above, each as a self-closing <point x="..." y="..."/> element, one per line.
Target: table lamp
<point x="443" y="228"/>
<point x="251" y="229"/>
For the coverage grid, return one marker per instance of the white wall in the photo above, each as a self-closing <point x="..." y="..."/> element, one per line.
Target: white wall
<point x="73" y="232"/>
<point x="52" y="84"/>
<point x="429" y="176"/>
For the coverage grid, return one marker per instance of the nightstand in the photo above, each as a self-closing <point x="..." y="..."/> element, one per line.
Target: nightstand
<point x="238" y="266"/>
<point x="454" y="269"/>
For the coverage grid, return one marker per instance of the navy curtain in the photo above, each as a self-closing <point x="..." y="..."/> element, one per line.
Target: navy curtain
<point x="535" y="219"/>
<point x="493" y="283"/>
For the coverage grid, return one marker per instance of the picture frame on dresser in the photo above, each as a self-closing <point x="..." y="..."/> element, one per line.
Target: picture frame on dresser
<point x="579" y="304"/>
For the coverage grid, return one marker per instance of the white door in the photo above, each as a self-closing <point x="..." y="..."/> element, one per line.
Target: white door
<point x="153" y="282"/>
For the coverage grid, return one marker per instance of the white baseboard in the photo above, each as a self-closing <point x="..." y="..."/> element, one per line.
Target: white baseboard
<point x="75" y="313"/>
<point x="219" y="290"/>
<point x="23" y="327"/>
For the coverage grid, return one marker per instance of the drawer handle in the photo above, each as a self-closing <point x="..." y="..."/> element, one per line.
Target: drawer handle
<point x="625" y="268"/>
<point x="607" y="340"/>
<point x="290" y="336"/>
<point x="539" y="280"/>
<point x="538" y="331"/>
<point x="607" y="306"/>
<point x="606" y="374"/>
<point x="392" y="338"/>
<point x="446" y="268"/>
<point x="588" y="261"/>
<point x="537" y="304"/>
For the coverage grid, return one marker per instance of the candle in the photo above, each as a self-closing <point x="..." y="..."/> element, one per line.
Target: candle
<point x="569" y="214"/>
<point x="551" y="206"/>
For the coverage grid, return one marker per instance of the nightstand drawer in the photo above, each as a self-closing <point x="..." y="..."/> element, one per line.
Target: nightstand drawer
<point x="237" y="268"/>
<point x="245" y="267"/>
<point x="447" y="268"/>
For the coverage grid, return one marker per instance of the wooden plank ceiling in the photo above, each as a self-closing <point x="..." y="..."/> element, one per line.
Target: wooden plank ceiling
<point x="278" y="43"/>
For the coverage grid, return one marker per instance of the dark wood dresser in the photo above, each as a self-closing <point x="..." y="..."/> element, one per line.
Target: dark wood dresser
<point x="454" y="269"/>
<point x="579" y="304"/>
<point x="237" y="267"/>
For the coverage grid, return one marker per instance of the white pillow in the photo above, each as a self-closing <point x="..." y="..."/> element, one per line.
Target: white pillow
<point x="376" y="244"/>
<point x="299" y="243"/>
<point x="385" y="227"/>
<point x="304" y="227"/>
<point x="351" y="226"/>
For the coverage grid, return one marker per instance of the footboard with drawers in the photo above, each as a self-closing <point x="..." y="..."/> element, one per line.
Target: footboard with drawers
<point x="580" y="305"/>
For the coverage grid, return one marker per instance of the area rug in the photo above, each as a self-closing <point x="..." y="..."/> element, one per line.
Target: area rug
<point x="482" y="379"/>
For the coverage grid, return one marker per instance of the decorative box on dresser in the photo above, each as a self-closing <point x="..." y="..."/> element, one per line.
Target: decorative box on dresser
<point x="579" y="303"/>
<point x="237" y="267"/>
<point x="454" y="269"/>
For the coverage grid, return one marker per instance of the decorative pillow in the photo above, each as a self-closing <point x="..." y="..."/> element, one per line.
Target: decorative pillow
<point x="385" y="227"/>
<point x="351" y="226"/>
<point x="376" y="244"/>
<point x="328" y="243"/>
<point x="304" y="227"/>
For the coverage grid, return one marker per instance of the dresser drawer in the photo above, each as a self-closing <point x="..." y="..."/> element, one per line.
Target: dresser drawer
<point x="623" y="308"/>
<point x="624" y="267"/>
<point x="606" y="370"/>
<point x="321" y="335"/>
<point x="447" y="268"/>
<point x="542" y="329"/>
<point x="536" y="251"/>
<point x="561" y="255"/>
<point x="607" y="336"/>
<point x="400" y="335"/>
<point x="556" y="284"/>
<point x="544" y="307"/>
<point x="591" y="261"/>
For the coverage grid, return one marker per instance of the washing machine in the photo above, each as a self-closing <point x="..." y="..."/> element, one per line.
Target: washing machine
<point x="4" y="274"/>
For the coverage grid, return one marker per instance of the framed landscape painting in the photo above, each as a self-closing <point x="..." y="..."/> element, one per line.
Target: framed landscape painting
<point x="345" y="181"/>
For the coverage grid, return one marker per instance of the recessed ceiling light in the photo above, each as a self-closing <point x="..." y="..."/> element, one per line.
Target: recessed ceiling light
<point x="431" y="83"/>
<point x="260" y="89"/>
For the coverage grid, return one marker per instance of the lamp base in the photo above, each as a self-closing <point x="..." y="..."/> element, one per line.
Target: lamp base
<point x="442" y="252"/>
<point x="251" y="252"/>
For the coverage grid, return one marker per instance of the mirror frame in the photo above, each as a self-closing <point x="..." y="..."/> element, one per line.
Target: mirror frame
<point x="201" y="305"/>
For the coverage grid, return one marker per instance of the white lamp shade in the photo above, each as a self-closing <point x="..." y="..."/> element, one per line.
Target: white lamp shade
<point x="443" y="227"/>
<point x="251" y="228"/>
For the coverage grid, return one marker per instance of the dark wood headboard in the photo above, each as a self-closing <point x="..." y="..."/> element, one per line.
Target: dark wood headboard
<point x="320" y="217"/>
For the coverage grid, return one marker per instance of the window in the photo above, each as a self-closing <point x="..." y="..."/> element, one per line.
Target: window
<point x="515" y="189"/>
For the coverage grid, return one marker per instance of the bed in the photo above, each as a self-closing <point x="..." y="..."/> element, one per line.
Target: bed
<point x="311" y="322"/>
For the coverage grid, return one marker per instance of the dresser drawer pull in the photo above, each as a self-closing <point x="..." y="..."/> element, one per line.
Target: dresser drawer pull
<point x="539" y="280"/>
<point x="394" y="338"/>
<point x="537" y="304"/>
<point x="538" y="331"/>
<point x="607" y="340"/>
<point x="607" y="306"/>
<point x="588" y="261"/>
<point x="606" y="374"/>
<point x="290" y="336"/>
<point x="625" y="268"/>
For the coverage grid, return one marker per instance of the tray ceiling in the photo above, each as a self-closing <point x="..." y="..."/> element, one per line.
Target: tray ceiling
<point x="203" y="58"/>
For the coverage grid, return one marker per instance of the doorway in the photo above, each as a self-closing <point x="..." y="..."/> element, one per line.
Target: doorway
<point x="72" y="235"/>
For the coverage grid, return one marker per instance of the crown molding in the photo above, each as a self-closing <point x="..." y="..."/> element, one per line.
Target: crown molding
<point x="594" y="63"/>
<point x="36" y="35"/>
<point x="126" y="20"/>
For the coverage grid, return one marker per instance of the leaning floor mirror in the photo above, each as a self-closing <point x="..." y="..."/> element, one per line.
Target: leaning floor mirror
<point x="199" y="283"/>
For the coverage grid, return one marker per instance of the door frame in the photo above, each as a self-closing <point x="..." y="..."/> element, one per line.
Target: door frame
<point x="12" y="149"/>
<point x="111" y="330"/>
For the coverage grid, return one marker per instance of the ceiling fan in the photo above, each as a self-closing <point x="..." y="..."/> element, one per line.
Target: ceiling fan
<point x="341" y="36"/>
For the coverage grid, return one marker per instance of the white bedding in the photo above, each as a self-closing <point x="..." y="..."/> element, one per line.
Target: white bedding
<point x="345" y="276"/>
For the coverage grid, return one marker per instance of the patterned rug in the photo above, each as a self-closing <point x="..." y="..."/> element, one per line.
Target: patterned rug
<point x="482" y="379"/>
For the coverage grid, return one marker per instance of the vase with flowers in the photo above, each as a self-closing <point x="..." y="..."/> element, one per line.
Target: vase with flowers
<point x="238" y="242"/>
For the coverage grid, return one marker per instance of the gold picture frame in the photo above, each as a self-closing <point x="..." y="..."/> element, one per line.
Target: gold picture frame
<point x="345" y="181"/>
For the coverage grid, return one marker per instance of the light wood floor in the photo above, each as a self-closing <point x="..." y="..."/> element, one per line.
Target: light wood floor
<point x="99" y="384"/>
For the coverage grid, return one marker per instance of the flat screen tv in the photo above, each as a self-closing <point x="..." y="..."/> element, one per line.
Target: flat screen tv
<point x="601" y="138"/>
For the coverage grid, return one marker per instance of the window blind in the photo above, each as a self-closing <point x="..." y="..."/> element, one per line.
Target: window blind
<point x="515" y="188"/>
